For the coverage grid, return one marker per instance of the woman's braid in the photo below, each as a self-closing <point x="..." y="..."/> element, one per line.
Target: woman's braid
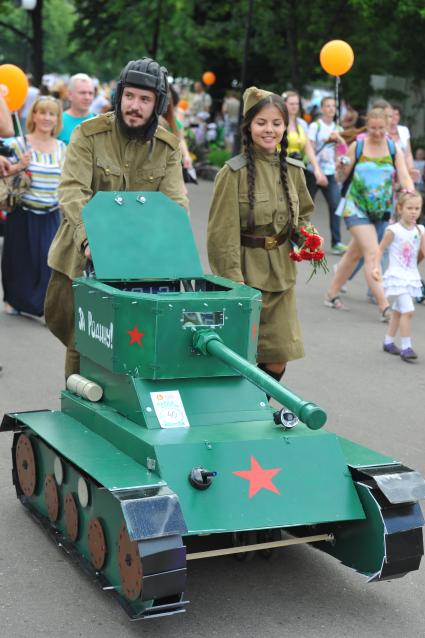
<point x="284" y="176"/>
<point x="249" y="153"/>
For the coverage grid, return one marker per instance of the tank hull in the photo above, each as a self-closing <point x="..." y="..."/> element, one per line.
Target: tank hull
<point x="131" y="527"/>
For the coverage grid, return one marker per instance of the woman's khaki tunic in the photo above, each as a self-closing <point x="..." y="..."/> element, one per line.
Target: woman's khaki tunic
<point x="271" y="271"/>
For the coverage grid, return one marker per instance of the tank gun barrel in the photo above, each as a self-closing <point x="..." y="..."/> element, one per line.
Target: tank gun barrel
<point x="208" y="342"/>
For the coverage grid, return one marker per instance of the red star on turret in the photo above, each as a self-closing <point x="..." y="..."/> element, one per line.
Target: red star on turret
<point x="258" y="478"/>
<point x="136" y="336"/>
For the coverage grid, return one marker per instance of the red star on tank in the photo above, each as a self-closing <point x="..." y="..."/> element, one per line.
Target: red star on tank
<point x="259" y="479"/>
<point x="136" y="336"/>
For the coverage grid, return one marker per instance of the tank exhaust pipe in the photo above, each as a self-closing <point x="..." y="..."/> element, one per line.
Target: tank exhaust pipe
<point x="84" y="388"/>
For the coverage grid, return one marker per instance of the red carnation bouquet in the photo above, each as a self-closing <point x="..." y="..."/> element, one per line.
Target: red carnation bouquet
<point x="309" y="249"/>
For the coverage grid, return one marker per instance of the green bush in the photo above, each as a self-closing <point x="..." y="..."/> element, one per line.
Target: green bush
<point x="218" y="156"/>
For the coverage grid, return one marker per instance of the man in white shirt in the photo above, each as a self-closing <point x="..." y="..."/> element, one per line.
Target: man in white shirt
<point x="324" y="135"/>
<point x="401" y="136"/>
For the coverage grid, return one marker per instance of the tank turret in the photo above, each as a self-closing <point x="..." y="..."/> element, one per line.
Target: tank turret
<point x="166" y="450"/>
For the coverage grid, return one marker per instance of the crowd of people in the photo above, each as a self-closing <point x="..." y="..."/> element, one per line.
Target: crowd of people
<point x="133" y="137"/>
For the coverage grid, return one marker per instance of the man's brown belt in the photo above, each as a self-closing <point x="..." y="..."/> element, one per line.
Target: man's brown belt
<point x="269" y="243"/>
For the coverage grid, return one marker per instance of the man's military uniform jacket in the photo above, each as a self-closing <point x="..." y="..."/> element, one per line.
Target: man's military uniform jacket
<point x="270" y="270"/>
<point x="101" y="158"/>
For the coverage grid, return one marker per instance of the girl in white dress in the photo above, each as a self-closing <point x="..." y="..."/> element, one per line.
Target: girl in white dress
<point x="402" y="280"/>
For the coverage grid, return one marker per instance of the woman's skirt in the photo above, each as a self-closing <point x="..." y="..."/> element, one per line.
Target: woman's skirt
<point x="279" y="338"/>
<point x="25" y="273"/>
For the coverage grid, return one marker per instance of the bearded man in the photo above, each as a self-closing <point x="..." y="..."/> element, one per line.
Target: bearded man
<point x="121" y="151"/>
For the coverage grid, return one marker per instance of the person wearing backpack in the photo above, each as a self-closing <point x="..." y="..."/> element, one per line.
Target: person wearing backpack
<point x="324" y="135"/>
<point x="368" y="205"/>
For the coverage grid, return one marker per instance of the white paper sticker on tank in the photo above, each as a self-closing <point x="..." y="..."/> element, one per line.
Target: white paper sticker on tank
<point x="169" y="409"/>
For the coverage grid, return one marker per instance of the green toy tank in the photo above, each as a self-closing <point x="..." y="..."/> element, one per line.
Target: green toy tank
<point x="166" y="450"/>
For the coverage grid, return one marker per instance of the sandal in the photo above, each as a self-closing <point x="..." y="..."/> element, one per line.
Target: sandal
<point x="335" y="302"/>
<point x="386" y="314"/>
<point x="10" y="310"/>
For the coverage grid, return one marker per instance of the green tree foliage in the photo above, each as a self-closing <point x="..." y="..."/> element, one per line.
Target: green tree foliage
<point x="118" y="31"/>
<point x="191" y="36"/>
<point x="16" y="35"/>
<point x="14" y="38"/>
<point x="285" y="40"/>
<point x="59" y="50"/>
<point x="58" y="19"/>
<point x="401" y="24"/>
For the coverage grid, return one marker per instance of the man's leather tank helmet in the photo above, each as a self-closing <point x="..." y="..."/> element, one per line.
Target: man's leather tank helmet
<point x="145" y="74"/>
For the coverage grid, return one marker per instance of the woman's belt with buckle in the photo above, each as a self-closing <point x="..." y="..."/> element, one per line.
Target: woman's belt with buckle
<point x="269" y="243"/>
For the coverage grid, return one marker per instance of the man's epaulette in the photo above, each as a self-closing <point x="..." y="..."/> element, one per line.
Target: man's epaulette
<point x="295" y="162"/>
<point x="167" y="137"/>
<point x="98" y="124"/>
<point x="237" y="162"/>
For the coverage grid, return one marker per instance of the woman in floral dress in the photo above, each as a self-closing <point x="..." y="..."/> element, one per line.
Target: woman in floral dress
<point x="368" y="205"/>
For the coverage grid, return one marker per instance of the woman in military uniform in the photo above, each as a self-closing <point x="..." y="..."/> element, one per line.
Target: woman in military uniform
<point x="260" y="200"/>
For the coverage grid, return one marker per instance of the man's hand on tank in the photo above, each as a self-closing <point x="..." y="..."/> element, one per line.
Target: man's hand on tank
<point x="86" y="248"/>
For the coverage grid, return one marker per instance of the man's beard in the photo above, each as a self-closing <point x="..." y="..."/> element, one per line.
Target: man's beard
<point x="132" y="132"/>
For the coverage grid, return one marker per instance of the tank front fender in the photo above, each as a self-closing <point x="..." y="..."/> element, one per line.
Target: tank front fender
<point x="151" y="512"/>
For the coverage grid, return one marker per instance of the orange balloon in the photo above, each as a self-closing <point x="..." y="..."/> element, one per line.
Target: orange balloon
<point x="336" y="57"/>
<point x="208" y="78"/>
<point x="13" y="86"/>
<point x="183" y="105"/>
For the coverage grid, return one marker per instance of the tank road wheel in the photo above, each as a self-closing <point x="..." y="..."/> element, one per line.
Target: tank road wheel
<point x="130" y="565"/>
<point x="268" y="536"/>
<point x="51" y="496"/>
<point x="25" y="465"/>
<point x="239" y="539"/>
<point x="96" y="543"/>
<point x="71" y="517"/>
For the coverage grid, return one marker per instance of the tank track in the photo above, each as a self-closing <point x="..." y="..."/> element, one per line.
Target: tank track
<point x="387" y="544"/>
<point x="99" y="529"/>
